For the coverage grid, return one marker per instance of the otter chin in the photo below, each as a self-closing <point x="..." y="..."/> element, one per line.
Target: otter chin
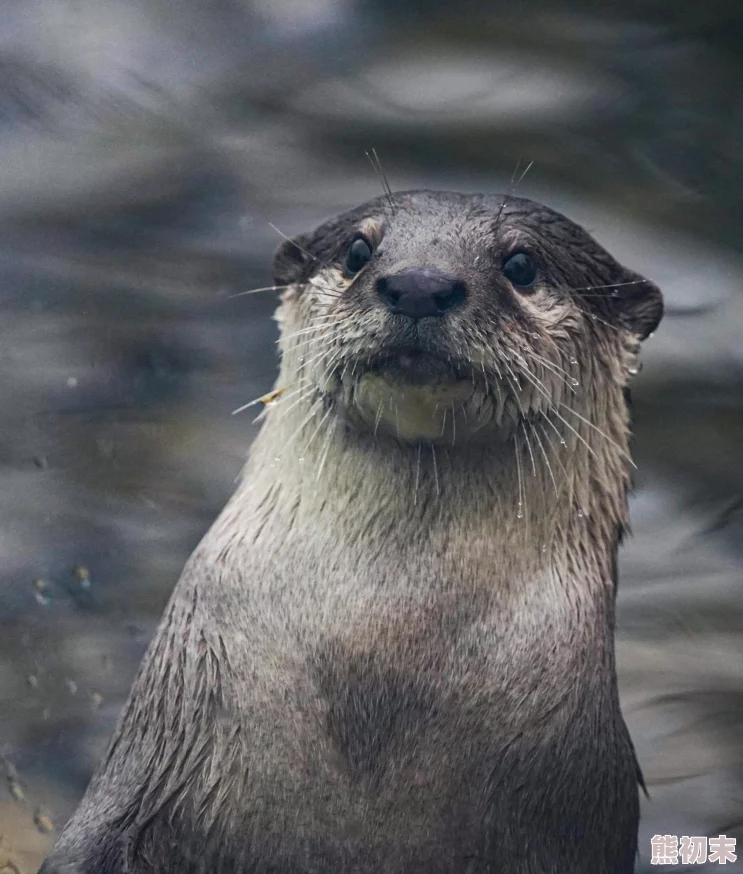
<point x="412" y="411"/>
<point x="394" y="649"/>
<point x="417" y="397"/>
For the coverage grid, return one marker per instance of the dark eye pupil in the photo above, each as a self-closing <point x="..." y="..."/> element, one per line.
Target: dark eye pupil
<point x="520" y="269"/>
<point x="358" y="255"/>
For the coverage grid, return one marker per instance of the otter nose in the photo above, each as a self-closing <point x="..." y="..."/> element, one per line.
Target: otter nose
<point x="419" y="292"/>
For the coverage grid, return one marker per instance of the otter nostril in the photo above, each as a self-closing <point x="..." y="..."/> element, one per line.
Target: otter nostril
<point x="389" y="295"/>
<point x="421" y="292"/>
<point x="453" y="297"/>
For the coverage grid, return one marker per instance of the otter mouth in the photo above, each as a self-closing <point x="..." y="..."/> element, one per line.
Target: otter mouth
<point x="408" y="365"/>
<point x="415" y="395"/>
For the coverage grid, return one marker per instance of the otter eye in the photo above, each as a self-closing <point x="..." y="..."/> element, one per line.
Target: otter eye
<point x="359" y="254"/>
<point x="520" y="270"/>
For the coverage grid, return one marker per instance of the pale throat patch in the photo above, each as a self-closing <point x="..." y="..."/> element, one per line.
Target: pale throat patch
<point x="416" y="412"/>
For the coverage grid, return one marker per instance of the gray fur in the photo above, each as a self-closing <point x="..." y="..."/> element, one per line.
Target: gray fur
<point x="394" y="651"/>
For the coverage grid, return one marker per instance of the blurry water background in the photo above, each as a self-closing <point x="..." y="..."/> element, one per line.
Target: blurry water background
<point x="146" y="145"/>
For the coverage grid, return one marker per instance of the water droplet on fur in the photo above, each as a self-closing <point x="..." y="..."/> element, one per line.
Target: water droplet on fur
<point x="277" y="458"/>
<point x="574" y="381"/>
<point x="580" y="513"/>
<point x="634" y="370"/>
<point x="544" y="547"/>
<point x="615" y="292"/>
<point x="300" y="459"/>
<point x="573" y="360"/>
<point x="520" y="514"/>
<point x="651" y="334"/>
<point x="562" y="440"/>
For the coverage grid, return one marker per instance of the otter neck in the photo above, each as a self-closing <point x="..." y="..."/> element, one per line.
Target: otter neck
<point x="533" y="497"/>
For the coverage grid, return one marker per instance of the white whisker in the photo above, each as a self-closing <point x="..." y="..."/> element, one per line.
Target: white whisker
<point x="559" y="437"/>
<point x="305" y="421"/>
<point x="258" y="290"/>
<point x="417" y="476"/>
<point x="520" y="509"/>
<point x="596" y="428"/>
<point x="546" y="459"/>
<point x="609" y="285"/>
<point x="616" y="328"/>
<point x="328" y="440"/>
<point x="561" y="418"/>
<point x="510" y="371"/>
<point x="528" y="445"/>
<point x="289" y="240"/>
<point x="317" y="429"/>
<point x="557" y="371"/>
<point x="378" y="417"/>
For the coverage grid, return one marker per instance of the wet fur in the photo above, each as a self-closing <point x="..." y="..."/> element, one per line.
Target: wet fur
<point x="395" y="654"/>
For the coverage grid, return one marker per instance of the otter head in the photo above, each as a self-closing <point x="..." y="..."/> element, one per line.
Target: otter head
<point x="441" y="317"/>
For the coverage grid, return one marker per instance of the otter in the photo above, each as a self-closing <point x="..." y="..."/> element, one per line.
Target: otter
<point x="394" y="650"/>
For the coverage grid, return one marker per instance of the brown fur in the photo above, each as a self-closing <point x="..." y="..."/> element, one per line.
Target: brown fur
<point x="394" y="649"/>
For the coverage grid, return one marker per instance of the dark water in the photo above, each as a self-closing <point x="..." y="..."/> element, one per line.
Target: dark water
<point x="144" y="148"/>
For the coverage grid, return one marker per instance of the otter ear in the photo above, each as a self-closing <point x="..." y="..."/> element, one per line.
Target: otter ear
<point x="638" y="303"/>
<point x="292" y="261"/>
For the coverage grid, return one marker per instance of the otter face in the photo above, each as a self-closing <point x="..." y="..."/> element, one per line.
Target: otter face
<point x="435" y="316"/>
